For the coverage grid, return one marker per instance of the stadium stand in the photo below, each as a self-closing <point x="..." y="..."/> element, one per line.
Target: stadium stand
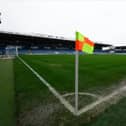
<point x="39" y="44"/>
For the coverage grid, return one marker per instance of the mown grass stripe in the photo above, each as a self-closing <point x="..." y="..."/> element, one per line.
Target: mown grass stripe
<point x="7" y="106"/>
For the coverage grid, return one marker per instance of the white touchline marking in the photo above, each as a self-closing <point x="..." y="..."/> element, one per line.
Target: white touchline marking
<point x="102" y="99"/>
<point x="62" y="100"/>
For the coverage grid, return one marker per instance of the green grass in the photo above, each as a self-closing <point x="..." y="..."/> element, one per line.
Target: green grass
<point x="114" y="116"/>
<point x="32" y="97"/>
<point x="95" y="71"/>
<point x="7" y="106"/>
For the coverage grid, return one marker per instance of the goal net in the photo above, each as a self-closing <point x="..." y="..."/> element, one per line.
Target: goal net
<point x="9" y="51"/>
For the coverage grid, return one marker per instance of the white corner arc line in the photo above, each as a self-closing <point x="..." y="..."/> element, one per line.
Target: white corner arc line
<point x="57" y="94"/>
<point x="81" y="93"/>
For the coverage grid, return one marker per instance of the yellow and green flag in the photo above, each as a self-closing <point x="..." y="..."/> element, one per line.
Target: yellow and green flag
<point x="84" y="44"/>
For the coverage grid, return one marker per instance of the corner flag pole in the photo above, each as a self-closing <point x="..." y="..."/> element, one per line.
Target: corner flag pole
<point x="87" y="46"/>
<point x="76" y="79"/>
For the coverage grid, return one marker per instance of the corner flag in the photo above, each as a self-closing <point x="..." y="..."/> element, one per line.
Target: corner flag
<point x="84" y="44"/>
<point x="87" y="46"/>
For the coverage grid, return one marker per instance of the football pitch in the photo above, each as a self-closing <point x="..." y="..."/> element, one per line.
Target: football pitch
<point x="98" y="75"/>
<point x="36" y="105"/>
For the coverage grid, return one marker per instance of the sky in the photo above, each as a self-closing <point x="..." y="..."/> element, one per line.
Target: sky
<point x="100" y="20"/>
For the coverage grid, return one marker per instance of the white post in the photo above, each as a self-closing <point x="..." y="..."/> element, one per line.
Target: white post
<point x="16" y="51"/>
<point x="76" y="80"/>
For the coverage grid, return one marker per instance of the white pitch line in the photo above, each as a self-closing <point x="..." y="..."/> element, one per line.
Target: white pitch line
<point x="101" y="100"/>
<point x="61" y="99"/>
<point x="81" y="93"/>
